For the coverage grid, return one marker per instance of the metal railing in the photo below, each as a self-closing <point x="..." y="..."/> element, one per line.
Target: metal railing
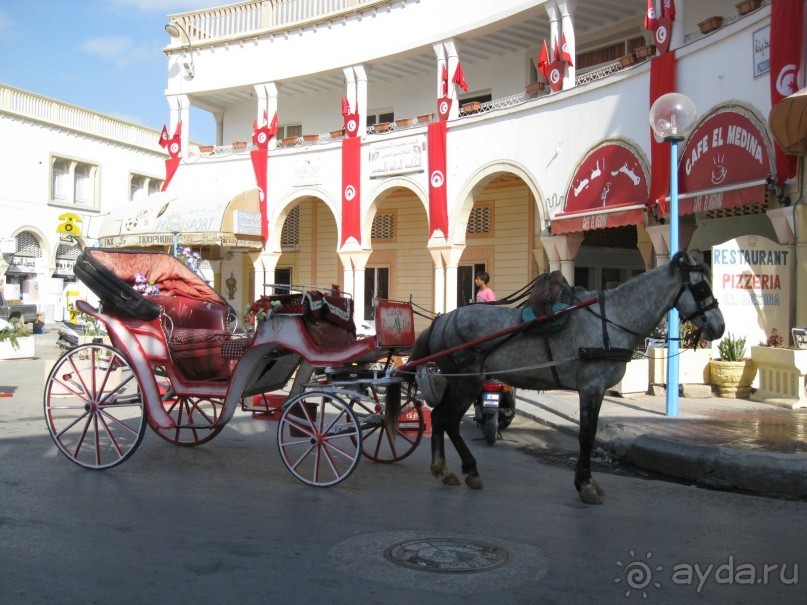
<point x="260" y="17"/>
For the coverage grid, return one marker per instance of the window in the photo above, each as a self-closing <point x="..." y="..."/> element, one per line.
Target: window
<point x="378" y="117"/>
<point x="290" y="235"/>
<point x="480" y="222"/>
<point x="289" y="130"/>
<point x="466" y="288"/>
<point x="608" y="54"/>
<point x="141" y="186"/>
<point x="376" y="286"/>
<point x="74" y="183"/>
<point x="282" y="277"/>
<point x="383" y="227"/>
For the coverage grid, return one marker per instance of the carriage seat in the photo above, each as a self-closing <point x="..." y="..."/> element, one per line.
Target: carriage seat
<point x="328" y="319"/>
<point x="196" y="331"/>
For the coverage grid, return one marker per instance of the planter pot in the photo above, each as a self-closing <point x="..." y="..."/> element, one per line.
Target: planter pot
<point x="782" y="375"/>
<point x="534" y="89"/>
<point x="627" y="60"/>
<point x="239" y="145"/>
<point x="404" y="122"/>
<point x="693" y="366"/>
<point x="337" y="134"/>
<point x="471" y="107"/>
<point x="636" y="378"/>
<point x="710" y="25"/>
<point x="289" y="141"/>
<point x="733" y="378"/>
<point x="645" y="51"/>
<point x="26" y="348"/>
<point x="206" y="148"/>
<point x="310" y="138"/>
<point x="425" y="118"/>
<point x="382" y="127"/>
<point x="747" y="6"/>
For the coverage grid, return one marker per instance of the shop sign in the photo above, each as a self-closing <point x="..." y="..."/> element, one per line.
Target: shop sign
<point x="23" y="264"/>
<point x="247" y="223"/>
<point x="64" y="266"/>
<point x="751" y="279"/>
<point x="397" y="156"/>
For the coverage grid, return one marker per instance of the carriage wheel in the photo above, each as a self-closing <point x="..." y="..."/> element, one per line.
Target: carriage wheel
<point x="94" y="406"/>
<point x="378" y="442"/>
<point x="196" y="419"/>
<point x="319" y="438"/>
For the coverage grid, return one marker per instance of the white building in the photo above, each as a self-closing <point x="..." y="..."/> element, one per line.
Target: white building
<point x="512" y="181"/>
<point x="64" y="169"/>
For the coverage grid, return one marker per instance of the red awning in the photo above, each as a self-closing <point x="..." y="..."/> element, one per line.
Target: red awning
<point x="722" y="198"/>
<point x="615" y="215"/>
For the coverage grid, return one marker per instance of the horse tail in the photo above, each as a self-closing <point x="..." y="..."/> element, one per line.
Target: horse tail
<point x="392" y="407"/>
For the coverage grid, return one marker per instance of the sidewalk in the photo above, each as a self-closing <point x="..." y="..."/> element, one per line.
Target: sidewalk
<point x="714" y="442"/>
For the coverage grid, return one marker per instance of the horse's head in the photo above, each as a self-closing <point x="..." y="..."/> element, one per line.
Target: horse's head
<point x="695" y="301"/>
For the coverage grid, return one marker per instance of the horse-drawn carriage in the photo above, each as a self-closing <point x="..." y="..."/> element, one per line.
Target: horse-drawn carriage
<point x="176" y="365"/>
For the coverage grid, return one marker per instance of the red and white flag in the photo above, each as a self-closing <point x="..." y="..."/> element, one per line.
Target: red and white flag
<point x="444" y="81"/>
<point x="543" y="62"/>
<point x="345" y="107"/>
<point x="164" y="137"/>
<point x="459" y="77"/>
<point x="556" y="54"/>
<point x="668" y="9"/>
<point x="650" y="20"/>
<point x="565" y="55"/>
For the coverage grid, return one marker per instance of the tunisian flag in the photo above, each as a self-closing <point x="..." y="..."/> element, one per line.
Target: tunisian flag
<point x="662" y="81"/>
<point x="351" y="191"/>
<point x="650" y="21"/>
<point x="543" y="62"/>
<point x="174" y="145"/>
<point x="438" y="211"/>
<point x="786" y="37"/>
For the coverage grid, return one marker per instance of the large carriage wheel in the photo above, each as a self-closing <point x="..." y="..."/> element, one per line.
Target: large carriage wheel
<point x="378" y="442"/>
<point x="196" y="419"/>
<point x="319" y="438"/>
<point x="94" y="406"/>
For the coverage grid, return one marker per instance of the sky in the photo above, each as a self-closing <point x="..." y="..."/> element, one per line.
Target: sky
<point x="102" y="55"/>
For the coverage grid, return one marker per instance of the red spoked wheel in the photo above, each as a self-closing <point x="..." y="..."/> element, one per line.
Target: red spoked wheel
<point x="196" y="419"/>
<point x="94" y="406"/>
<point x="319" y="438"/>
<point x="378" y="441"/>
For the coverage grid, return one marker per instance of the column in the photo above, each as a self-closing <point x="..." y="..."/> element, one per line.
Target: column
<point x="567" y="8"/>
<point x="554" y="28"/>
<point x="264" y="265"/>
<point x="439" y="281"/>
<point x="185" y="116"/>
<point x="562" y="250"/>
<point x="355" y="262"/>
<point x="361" y="98"/>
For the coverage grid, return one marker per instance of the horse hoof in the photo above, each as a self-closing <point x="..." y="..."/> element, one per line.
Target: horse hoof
<point x="600" y="491"/>
<point x="451" y="480"/>
<point x="474" y="482"/>
<point x="589" y="495"/>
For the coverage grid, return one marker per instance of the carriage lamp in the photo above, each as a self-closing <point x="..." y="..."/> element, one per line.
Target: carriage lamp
<point x="176" y="31"/>
<point x="671" y="117"/>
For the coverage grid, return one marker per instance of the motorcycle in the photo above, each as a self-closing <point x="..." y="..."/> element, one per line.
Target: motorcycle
<point x="69" y="335"/>
<point x="494" y="409"/>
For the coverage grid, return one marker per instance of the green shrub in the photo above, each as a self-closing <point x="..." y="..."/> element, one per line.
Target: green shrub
<point x="731" y="348"/>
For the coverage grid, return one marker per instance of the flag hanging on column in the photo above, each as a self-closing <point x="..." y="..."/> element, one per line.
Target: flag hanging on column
<point x="650" y="21"/>
<point x="438" y="207"/>
<point x="662" y="81"/>
<point x="459" y="77"/>
<point x="351" y="189"/>
<point x="543" y="62"/>
<point x="174" y="146"/>
<point x="565" y="55"/>
<point x="261" y="135"/>
<point x="786" y="39"/>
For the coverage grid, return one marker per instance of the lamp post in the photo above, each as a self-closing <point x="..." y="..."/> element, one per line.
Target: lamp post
<point x="671" y="117"/>
<point x="175" y="30"/>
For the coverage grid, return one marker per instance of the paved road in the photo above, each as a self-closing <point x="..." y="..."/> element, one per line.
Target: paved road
<point x="227" y="523"/>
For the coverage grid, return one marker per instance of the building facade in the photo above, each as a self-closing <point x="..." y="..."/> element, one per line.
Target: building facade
<point x="397" y="147"/>
<point x="64" y="169"/>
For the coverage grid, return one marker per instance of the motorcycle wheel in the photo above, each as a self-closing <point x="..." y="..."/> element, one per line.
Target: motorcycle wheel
<point x="491" y="428"/>
<point x="508" y="410"/>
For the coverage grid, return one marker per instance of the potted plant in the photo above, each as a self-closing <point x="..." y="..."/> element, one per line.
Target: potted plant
<point x="471" y="107"/>
<point x="747" y="6"/>
<point x="711" y="24"/>
<point x="627" y="60"/>
<point x="15" y="341"/>
<point x="382" y="127"/>
<point x="733" y="373"/>
<point x="534" y="89"/>
<point x="239" y="145"/>
<point x="404" y="122"/>
<point x="425" y="118"/>
<point x="642" y="52"/>
<point x="782" y="373"/>
<point x="310" y="138"/>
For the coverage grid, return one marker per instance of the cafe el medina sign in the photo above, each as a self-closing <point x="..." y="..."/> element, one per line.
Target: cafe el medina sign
<point x="725" y="164"/>
<point x="751" y="279"/>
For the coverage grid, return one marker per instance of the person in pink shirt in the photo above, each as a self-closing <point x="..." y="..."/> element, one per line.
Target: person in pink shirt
<point x="485" y="293"/>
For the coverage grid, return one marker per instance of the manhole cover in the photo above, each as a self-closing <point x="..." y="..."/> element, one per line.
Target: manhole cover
<point x="445" y="555"/>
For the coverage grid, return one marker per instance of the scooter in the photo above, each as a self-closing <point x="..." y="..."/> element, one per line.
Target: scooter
<point x="494" y="409"/>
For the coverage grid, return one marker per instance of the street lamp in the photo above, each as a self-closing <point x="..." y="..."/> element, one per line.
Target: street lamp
<point x="671" y="117"/>
<point x="175" y="30"/>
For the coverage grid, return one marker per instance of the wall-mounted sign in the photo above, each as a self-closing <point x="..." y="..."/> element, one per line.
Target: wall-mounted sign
<point x="762" y="51"/>
<point x="397" y="156"/>
<point x="751" y="279"/>
<point x="246" y="223"/>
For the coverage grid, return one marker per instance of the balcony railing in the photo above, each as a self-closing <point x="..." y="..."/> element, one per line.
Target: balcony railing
<point x="261" y="17"/>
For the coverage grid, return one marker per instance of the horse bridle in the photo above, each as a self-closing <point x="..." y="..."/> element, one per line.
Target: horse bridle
<point x="701" y="292"/>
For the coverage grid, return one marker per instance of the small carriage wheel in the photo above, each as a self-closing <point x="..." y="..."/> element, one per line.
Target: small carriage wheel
<point x="378" y="442"/>
<point x="196" y="419"/>
<point x="319" y="438"/>
<point x="94" y="406"/>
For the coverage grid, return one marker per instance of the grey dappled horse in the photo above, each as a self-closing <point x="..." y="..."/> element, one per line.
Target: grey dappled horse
<point x="590" y="352"/>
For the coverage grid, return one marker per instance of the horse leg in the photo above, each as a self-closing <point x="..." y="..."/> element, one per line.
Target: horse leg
<point x="587" y="487"/>
<point x="439" y="467"/>
<point x="472" y="478"/>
